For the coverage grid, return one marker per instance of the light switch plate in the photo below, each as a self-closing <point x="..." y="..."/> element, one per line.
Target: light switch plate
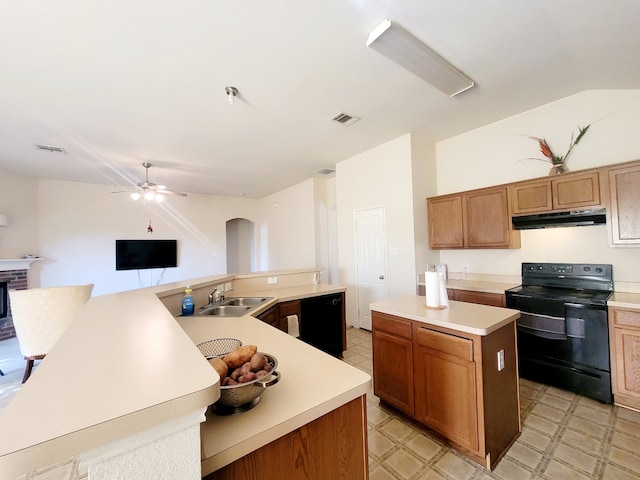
<point x="272" y="280"/>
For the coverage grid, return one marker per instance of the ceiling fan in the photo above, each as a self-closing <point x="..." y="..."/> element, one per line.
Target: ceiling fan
<point x="152" y="191"/>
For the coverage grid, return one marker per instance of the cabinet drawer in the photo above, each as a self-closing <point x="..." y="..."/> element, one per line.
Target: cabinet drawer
<point x="443" y="342"/>
<point x="290" y="308"/>
<point x="397" y="326"/>
<point x="628" y="318"/>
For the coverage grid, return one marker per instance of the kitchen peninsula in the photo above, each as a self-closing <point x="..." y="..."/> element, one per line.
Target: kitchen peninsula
<point x="126" y="387"/>
<point x="454" y="370"/>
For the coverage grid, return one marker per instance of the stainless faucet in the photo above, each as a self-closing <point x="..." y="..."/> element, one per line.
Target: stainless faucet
<point x="217" y="296"/>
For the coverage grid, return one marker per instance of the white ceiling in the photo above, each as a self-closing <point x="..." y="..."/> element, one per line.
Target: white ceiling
<point x="123" y="82"/>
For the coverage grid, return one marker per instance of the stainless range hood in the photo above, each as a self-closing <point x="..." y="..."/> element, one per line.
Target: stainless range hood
<point x="571" y="218"/>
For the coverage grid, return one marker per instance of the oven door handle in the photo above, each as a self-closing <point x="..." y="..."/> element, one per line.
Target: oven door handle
<point x="575" y="305"/>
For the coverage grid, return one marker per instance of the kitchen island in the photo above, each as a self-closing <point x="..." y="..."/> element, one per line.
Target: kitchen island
<point x="126" y="387"/>
<point x="454" y="370"/>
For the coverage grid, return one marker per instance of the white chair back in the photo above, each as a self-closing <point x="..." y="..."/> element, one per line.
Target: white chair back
<point x="41" y="315"/>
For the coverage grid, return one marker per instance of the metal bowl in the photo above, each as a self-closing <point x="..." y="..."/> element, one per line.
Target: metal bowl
<point x="244" y="395"/>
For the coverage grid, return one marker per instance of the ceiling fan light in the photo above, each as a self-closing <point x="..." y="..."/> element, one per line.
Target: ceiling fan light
<point x="149" y="195"/>
<point x="159" y="198"/>
<point x="135" y="195"/>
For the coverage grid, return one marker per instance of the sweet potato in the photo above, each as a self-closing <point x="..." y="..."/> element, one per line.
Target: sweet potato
<point x="220" y="366"/>
<point x="240" y="356"/>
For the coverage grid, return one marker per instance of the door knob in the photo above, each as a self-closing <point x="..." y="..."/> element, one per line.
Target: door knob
<point x="381" y="277"/>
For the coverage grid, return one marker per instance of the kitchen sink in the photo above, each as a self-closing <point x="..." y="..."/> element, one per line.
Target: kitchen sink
<point x="226" y="310"/>
<point x="244" y="301"/>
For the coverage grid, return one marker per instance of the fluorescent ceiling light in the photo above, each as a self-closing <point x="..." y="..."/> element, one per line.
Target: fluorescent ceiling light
<point x="400" y="46"/>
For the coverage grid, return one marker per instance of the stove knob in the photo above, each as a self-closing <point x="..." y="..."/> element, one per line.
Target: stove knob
<point x="598" y="270"/>
<point x="587" y="269"/>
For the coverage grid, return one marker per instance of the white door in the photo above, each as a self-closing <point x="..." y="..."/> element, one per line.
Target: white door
<point x="371" y="261"/>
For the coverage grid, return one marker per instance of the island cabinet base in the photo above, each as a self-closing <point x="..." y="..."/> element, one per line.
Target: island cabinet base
<point x="465" y="386"/>
<point x="333" y="446"/>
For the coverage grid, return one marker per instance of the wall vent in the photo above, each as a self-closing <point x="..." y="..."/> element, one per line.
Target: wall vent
<point x="345" y="119"/>
<point x="51" y="148"/>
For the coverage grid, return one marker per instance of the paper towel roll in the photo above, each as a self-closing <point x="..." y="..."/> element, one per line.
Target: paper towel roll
<point x="432" y="288"/>
<point x="293" y="326"/>
<point x="444" y="298"/>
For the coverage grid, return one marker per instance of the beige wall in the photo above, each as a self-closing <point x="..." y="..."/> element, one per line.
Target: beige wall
<point x="19" y="202"/>
<point x="286" y="229"/>
<point x="381" y="176"/>
<point x="494" y="154"/>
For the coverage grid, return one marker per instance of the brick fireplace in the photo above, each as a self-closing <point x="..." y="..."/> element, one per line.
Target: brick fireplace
<point x="14" y="273"/>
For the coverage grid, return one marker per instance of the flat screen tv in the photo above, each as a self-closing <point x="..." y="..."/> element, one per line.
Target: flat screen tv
<point x="144" y="254"/>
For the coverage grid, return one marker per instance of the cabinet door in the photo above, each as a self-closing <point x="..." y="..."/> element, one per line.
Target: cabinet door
<point x="271" y="316"/>
<point x="486" y="213"/>
<point x="576" y="191"/>
<point x="625" y="356"/>
<point x="286" y="309"/>
<point x="393" y="370"/>
<point x="627" y="382"/>
<point x="445" y="222"/>
<point x="482" y="298"/>
<point x="625" y="205"/>
<point x="531" y="197"/>
<point x="445" y="386"/>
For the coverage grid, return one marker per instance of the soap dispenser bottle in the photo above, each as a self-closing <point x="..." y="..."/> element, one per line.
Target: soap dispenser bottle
<point x="188" y="307"/>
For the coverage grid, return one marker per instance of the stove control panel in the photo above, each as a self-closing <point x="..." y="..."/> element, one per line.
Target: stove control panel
<point x="566" y="268"/>
<point x="569" y="275"/>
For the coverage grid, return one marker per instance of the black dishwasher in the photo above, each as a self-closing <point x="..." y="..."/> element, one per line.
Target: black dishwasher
<point x="321" y="321"/>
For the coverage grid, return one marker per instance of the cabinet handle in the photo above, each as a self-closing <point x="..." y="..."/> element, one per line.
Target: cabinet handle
<point x="381" y="277"/>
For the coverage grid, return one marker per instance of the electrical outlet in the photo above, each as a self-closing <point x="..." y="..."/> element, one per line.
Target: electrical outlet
<point x="465" y="267"/>
<point x="272" y="280"/>
<point x="501" y="360"/>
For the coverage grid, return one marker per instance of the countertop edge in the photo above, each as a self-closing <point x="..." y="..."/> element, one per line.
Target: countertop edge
<point x="430" y="317"/>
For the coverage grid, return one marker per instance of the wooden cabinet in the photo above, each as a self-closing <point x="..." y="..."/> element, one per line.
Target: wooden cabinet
<point x="482" y="298"/>
<point x="272" y="317"/>
<point x="445" y="385"/>
<point x="285" y="309"/>
<point x="330" y="447"/>
<point x="393" y="361"/>
<point x="474" y="219"/>
<point x="450" y="382"/>
<point x="624" y="204"/>
<point x="564" y="192"/>
<point x="624" y="327"/>
<point x="445" y="222"/>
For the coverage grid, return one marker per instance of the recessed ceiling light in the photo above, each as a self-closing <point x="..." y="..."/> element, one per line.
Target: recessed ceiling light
<point x="325" y="171"/>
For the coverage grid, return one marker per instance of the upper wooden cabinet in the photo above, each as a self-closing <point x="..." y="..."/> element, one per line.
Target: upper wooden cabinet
<point x="624" y="204"/>
<point x="564" y="192"/>
<point x="473" y="219"/>
<point x="445" y="221"/>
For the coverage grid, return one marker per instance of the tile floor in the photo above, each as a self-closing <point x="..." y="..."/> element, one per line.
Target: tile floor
<point x="564" y="437"/>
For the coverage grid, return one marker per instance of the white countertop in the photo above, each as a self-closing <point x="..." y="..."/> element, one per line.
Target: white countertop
<point x="624" y="300"/>
<point x="312" y="383"/>
<point x="126" y="365"/>
<point x="461" y="316"/>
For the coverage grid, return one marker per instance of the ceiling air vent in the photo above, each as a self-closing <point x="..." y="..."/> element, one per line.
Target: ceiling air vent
<point x="50" y="148"/>
<point x="345" y="119"/>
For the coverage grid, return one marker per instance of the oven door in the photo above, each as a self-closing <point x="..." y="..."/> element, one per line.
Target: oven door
<point x="564" y="344"/>
<point x="565" y="332"/>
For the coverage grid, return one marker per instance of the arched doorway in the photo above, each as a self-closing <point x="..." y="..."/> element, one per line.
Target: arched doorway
<point x="240" y="246"/>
